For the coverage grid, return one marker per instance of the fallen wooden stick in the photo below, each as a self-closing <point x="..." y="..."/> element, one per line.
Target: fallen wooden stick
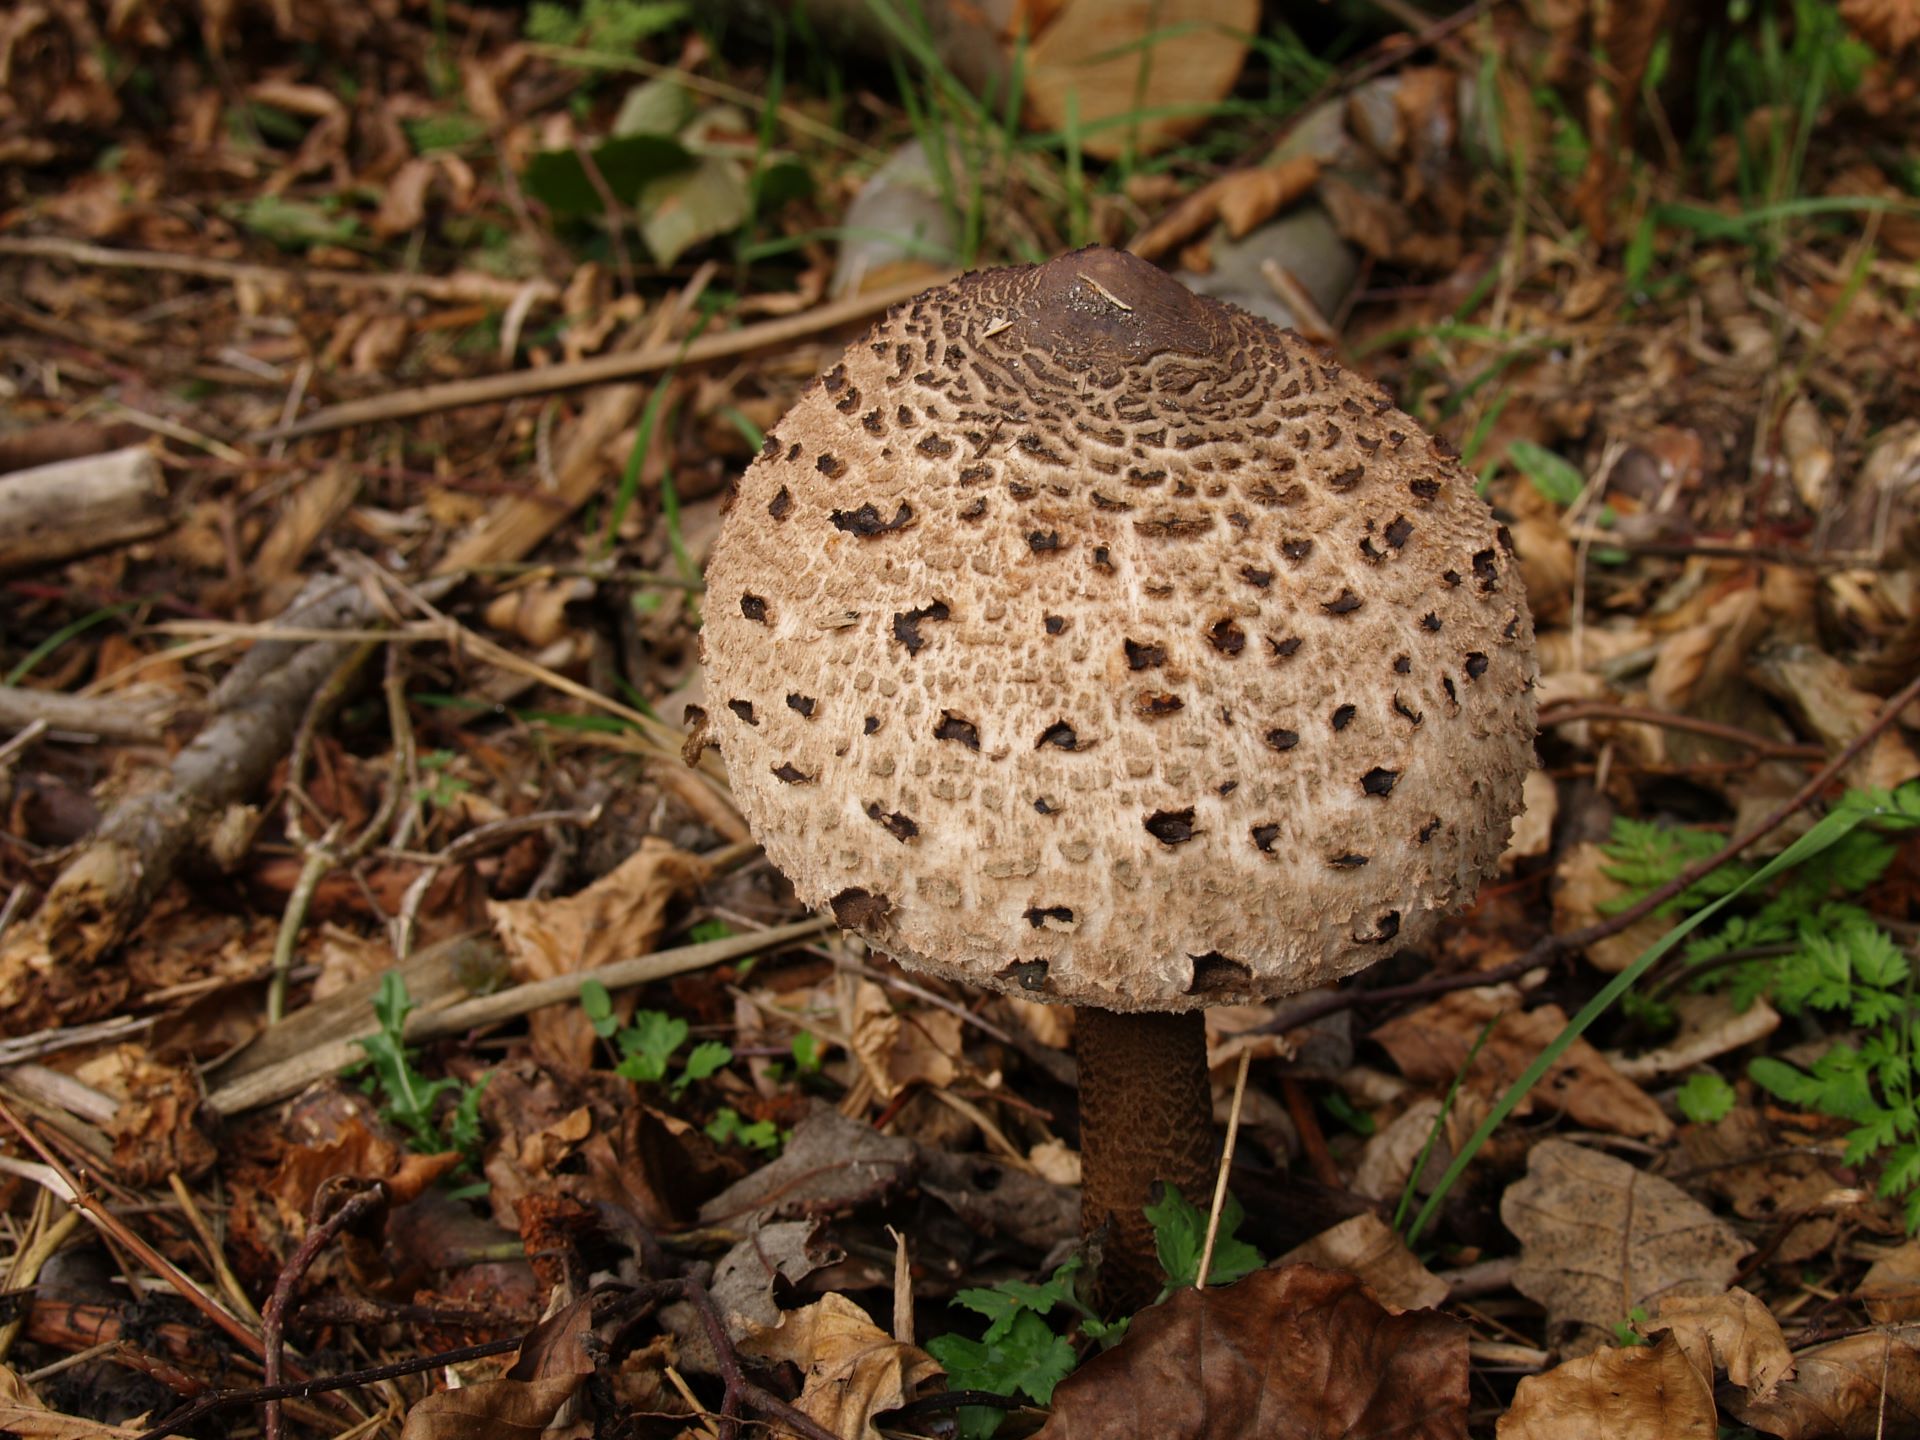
<point x="109" y="717"/>
<point x="518" y="384"/>
<point x="464" y="287"/>
<point x="72" y="507"/>
<point x="292" y="1075"/>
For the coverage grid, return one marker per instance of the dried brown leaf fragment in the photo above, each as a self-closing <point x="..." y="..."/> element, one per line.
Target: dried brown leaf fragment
<point x="1297" y="1353"/>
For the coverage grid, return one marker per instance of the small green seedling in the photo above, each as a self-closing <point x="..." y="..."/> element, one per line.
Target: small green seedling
<point x="1705" y="1099"/>
<point x="726" y="1125"/>
<point x="407" y="1098"/>
<point x="1021" y="1353"/>
<point x="648" y="1043"/>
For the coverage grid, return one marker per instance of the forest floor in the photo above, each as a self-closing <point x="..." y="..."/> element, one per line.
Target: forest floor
<point x="371" y="380"/>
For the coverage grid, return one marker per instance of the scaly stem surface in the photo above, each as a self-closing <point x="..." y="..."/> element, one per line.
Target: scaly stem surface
<point x="1146" y="1114"/>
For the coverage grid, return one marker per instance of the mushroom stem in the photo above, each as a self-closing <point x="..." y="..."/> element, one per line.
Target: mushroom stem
<point x="1146" y="1114"/>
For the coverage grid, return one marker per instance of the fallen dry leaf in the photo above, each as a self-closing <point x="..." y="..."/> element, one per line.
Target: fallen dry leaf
<point x="1700" y="669"/>
<point x="1630" y="1392"/>
<point x="1582" y="887"/>
<point x="1733" y="1332"/>
<point x="1368" y="1247"/>
<point x="490" y="1410"/>
<point x="896" y="1050"/>
<point x="1863" y="1387"/>
<point x="1772" y="1185"/>
<point x="1432" y="1044"/>
<point x="23" y="1414"/>
<point x="1891" y="1287"/>
<point x="1242" y="199"/>
<point x="1600" y="1238"/>
<point x="1819" y="689"/>
<point x="744" y="1280"/>
<point x="854" y="1370"/>
<point x="1710" y="1026"/>
<point x="1297" y="1353"/>
<point x="620" y="915"/>
<point x="1890" y="26"/>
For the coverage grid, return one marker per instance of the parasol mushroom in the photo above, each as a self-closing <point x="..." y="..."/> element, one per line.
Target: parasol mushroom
<point x="1087" y="640"/>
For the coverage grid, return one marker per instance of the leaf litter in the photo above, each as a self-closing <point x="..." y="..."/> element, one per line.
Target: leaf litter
<point x="786" y="1184"/>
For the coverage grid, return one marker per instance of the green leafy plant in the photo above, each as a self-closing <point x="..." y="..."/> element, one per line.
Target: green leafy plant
<point x="612" y="27"/>
<point x="1857" y="810"/>
<point x="1705" y="1098"/>
<point x="1180" y="1233"/>
<point x="1810" y="950"/>
<point x="407" y="1098"/>
<point x="1625" y="1332"/>
<point x="1022" y="1353"/>
<point x="648" y="1043"/>
<point x="726" y="1125"/>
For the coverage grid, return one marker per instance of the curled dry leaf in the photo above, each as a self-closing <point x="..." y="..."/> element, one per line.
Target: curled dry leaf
<point x="744" y="1279"/>
<point x="1890" y="26"/>
<point x="1297" y="1353"/>
<point x="1765" y="1178"/>
<point x="1431" y="1044"/>
<point x="1584" y="886"/>
<point x="1808" y="444"/>
<point x="921" y="1047"/>
<point x="1533" y="830"/>
<point x="1710" y="1025"/>
<point x="1366" y="1246"/>
<point x="1863" y="1387"/>
<point x="1733" y="1332"/>
<point x="854" y="1370"/>
<point x="1633" y="1392"/>
<point x="1891" y="1287"/>
<point x="619" y="915"/>
<point x="1599" y="1238"/>
<point x="23" y="1414"/>
<point x="1821" y="692"/>
<point x="829" y="1166"/>
<point x="1700" y="669"/>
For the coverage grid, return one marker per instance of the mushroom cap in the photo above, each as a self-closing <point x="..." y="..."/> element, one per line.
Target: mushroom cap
<point x="1082" y="638"/>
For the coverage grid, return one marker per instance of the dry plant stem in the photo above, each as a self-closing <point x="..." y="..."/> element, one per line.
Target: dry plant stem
<point x="1146" y="1115"/>
<point x="49" y="1235"/>
<point x="1568" y="713"/>
<point x="301" y="1389"/>
<point x="738" y="1387"/>
<point x="230" y="1285"/>
<point x="326" y="855"/>
<point x="1549" y="947"/>
<point x="1226" y="1164"/>
<point x="519" y="384"/>
<point x="113" y="1226"/>
<point x="320" y="1234"/>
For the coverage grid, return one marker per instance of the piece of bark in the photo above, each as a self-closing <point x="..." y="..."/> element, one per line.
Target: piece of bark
<point x="108" y="716"/>
<point x="74" y="507"/>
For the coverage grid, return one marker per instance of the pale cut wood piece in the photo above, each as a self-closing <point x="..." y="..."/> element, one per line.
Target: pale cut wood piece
<point x="111" y="717"/>
<point x="73" y="507"/>
<point x="294" y="1073"/>
<point x="1115" y="57"/>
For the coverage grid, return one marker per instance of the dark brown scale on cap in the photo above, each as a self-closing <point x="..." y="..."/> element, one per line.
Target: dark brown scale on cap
<point x="1053" y="690"/>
